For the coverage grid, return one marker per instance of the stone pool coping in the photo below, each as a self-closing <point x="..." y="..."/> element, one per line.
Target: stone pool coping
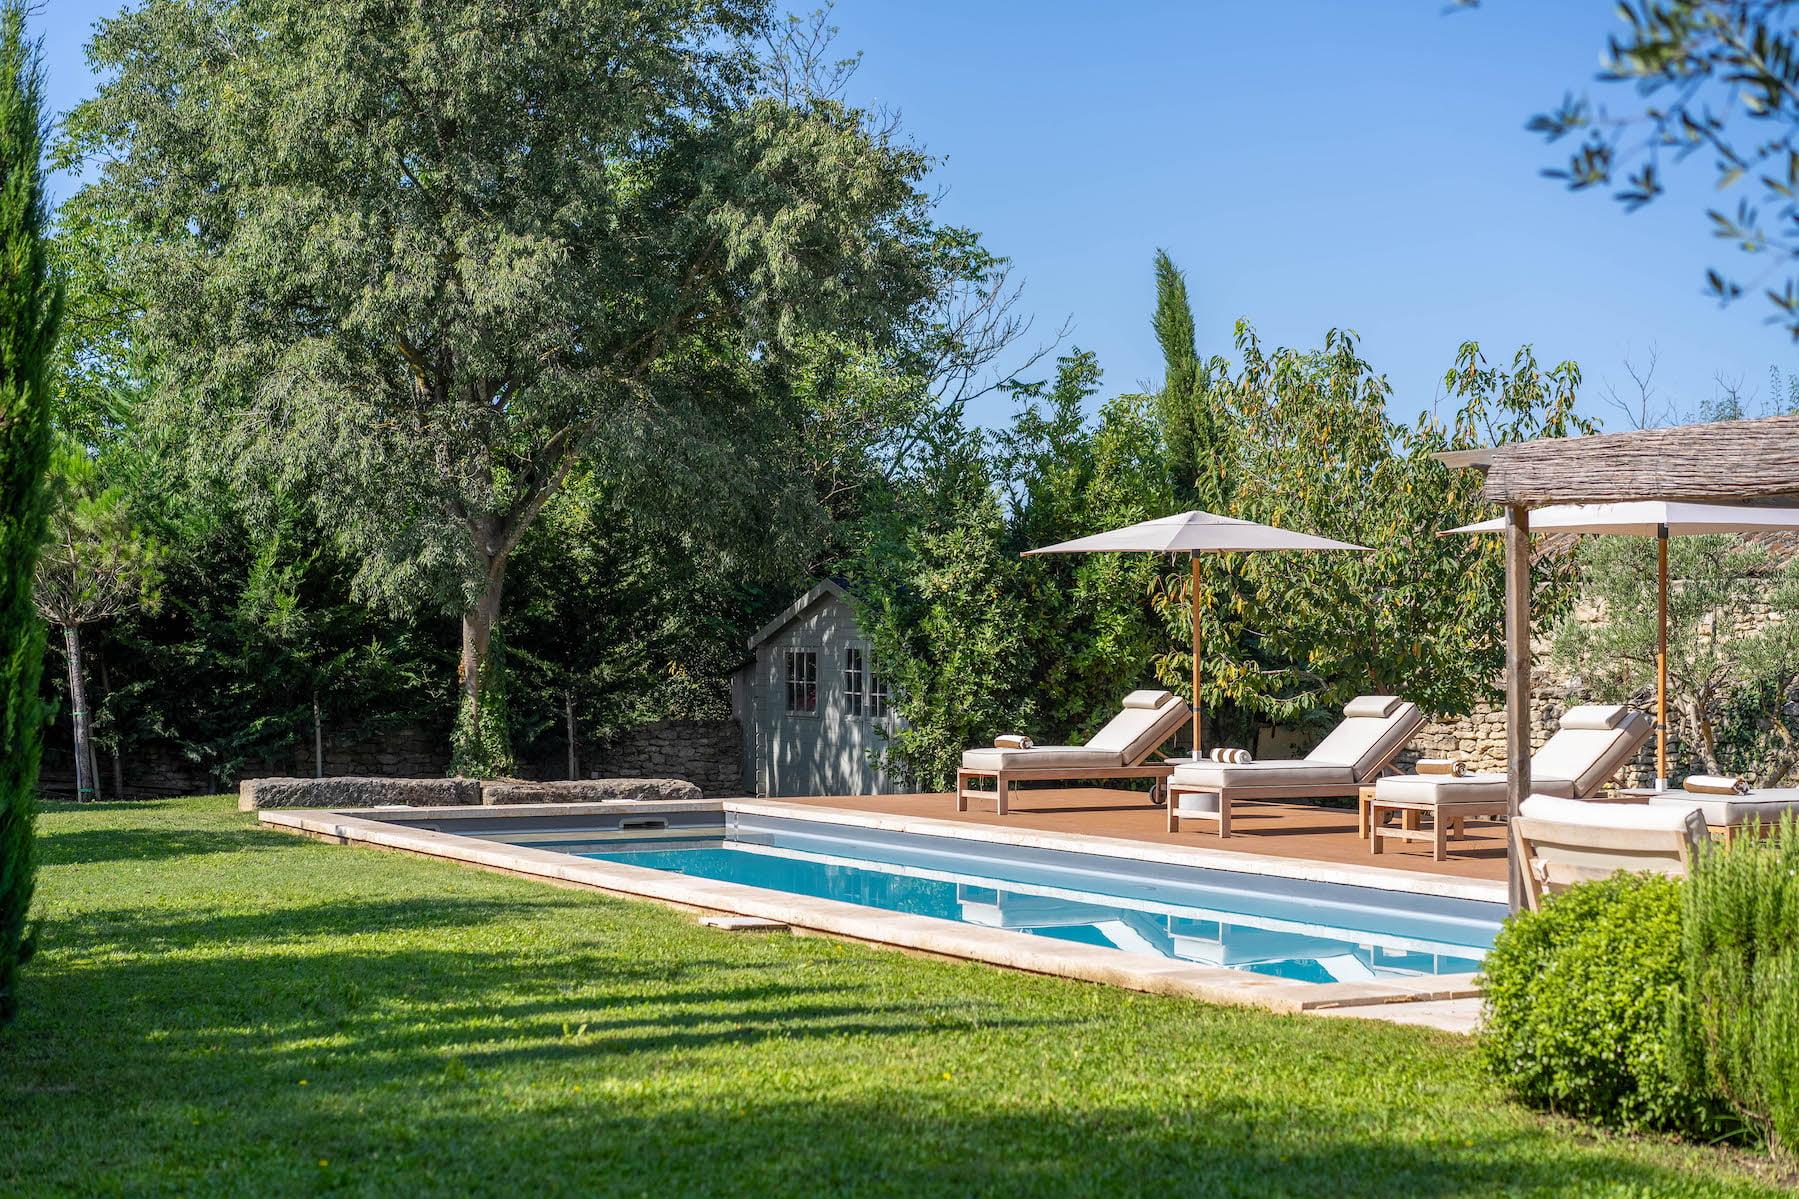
<point x="389" y="828"/>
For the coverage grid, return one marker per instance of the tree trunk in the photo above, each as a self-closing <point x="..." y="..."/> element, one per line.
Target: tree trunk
<point x="112" y="750"/>
<point x="568" y="703"/>
<point x="478" y="623"/>
<point x="84" y="778"/>
<point x="318" y="738"/>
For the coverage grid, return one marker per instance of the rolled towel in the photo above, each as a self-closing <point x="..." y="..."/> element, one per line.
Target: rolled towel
<point x="1232" y="757"/>
<point x="1716" y="784"/>
<point x="1013" y="741"/>
<point x="1454" y="767"/>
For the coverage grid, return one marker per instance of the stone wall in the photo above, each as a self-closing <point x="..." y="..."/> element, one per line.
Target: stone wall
<point x="707" y="753"/>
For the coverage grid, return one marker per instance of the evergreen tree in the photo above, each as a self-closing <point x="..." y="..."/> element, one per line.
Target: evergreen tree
<point x="29" y="306"/>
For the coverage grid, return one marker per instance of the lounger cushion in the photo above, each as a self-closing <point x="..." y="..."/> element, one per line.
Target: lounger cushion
<point x="1265" y="774"/>
<point x="1362" y="743"/>
<point x="1590" y="756"/>
<point x="1726" y="811"/>
<point x="1148" y="699"/>
<point x="1134" y="732"/>
<point x="1469" y="788"/>
<point x="1375" y="707"/>
<point x="1560" y="810"/>
<point x="1041" y="757"/>
<point x="1596" y="717"/>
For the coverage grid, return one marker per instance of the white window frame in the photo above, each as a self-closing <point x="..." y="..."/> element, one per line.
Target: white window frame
<point x="785" y="681"/>
<point x="855" y="697"/>
<point x="886" y="694"/>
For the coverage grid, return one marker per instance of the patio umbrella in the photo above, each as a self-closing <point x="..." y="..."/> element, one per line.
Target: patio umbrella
<point x="1194" y="533"/>
<point x="1660" y="519"/>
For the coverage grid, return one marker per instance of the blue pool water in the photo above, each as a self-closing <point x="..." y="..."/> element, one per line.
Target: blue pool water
<point x="1314" y="932"/>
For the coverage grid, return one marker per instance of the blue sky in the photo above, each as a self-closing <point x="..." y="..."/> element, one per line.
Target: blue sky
<point x="1310" y="163"/>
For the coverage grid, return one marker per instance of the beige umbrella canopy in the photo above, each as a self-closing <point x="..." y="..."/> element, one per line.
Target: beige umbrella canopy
<point x="1660" y="519"/>
<point x="1194" y="533"/>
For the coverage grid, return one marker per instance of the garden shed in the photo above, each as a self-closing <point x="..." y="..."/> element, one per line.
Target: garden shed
<point x="813" y="704"/>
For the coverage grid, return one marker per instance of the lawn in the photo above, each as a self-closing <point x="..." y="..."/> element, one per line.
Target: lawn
<point x="220" y="1008"/>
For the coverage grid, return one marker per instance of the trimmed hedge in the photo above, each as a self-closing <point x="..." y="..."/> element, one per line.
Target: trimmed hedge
<point x="1580" y="1009"/>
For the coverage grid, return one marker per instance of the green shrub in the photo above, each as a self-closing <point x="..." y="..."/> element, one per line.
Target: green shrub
<point x="1579" y="1008"/>
<point x="1740" y="1011"/>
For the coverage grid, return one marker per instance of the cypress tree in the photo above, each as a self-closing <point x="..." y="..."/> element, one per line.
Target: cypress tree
<point x="30" y="304"/>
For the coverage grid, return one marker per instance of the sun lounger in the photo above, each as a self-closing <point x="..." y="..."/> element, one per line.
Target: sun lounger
<point x="1373" y="731"/>
<point x="1727" y="815"/>
<point x="1121" y="750"/>
<point x="1594" y="742"/>
<point x="1562" y="842"/>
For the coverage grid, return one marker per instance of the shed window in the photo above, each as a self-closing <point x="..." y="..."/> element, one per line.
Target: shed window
<point x="802" y="681"/>
<point x="855" y="678"/>
<point x="877" y="694"/>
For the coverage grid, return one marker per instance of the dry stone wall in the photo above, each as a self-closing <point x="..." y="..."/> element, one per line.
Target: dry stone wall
<point x="705" y="753"/>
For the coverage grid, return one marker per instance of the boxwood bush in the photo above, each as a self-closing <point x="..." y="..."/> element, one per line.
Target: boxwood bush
<point x="1581" y="1003"/>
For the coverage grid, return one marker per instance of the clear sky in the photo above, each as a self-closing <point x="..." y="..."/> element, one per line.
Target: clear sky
<point x="1311" y="163"/>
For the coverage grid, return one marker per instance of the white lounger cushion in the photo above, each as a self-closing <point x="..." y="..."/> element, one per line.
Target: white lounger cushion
<point x="1588" y="755"/>
<point x="1265" y="774"/>
<point x="1468" y="788"/>
<point x="1597" y="718"/>
<point x="1136" y="731"/>
<point x="1376" y="707"/>
<point x="1727" y="811"/>
<point x="1040" y="757"/>
<point x="1148" y="699"/>
<point x="1574" y="762"/>
<point x="1604" y="815"/>
<point x="1363" y="742"/>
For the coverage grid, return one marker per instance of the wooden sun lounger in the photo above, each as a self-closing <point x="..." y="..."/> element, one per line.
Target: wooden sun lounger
<point x="1148" y="734"/>
<point x="1410" y="719"/>
<point x="1562" y="842"/>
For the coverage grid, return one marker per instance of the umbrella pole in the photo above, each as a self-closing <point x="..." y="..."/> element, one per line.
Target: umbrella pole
<point x="1661" y="659"/>
<point x="1193" y="600"/>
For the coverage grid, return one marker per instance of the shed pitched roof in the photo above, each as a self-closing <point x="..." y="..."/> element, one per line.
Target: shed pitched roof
<point x="793" y="611"/>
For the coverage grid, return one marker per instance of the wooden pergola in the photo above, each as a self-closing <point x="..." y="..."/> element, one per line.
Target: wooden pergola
<point x="1728" y="461"/>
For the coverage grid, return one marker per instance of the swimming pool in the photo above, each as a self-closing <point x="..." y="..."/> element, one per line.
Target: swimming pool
<point x="1290" y="928"/>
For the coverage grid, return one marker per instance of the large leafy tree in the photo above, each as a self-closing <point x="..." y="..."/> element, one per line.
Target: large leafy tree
<point x="1419" y="615"/>
<point x="30" y="303"/>
<point x="424" y="262"/>
<point x="1714" y="78"/>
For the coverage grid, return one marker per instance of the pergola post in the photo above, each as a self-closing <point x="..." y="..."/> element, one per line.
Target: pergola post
<point x="1517" y="684"/>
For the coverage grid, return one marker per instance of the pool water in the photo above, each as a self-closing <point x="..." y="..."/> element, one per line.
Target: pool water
<point x="1290" y="928"/>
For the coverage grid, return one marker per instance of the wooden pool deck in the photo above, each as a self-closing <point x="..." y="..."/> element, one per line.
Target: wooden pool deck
<point x="1282" y="830"/>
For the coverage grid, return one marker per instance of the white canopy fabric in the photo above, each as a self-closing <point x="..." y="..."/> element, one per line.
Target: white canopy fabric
<point x="1645" y="518"/>
<point x="1660" y="519"/>
<point x="1194" y="533"/>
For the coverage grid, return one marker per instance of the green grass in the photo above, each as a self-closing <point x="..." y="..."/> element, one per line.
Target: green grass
<point x="219" y="1008"/>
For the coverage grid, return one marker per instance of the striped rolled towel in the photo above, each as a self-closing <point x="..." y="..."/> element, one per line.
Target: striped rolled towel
<point x="1716" y="784"/>
<point x="1232" y="757"/>
<point x="1454" y="767"/>
<point x="1013" y="741"/>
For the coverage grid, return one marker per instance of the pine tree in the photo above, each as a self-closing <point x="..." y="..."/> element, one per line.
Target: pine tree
<point x="30" y="304"/>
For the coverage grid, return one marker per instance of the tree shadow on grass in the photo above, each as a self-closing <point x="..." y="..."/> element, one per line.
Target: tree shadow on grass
<point x="625" y="1066"/>
<point x="91" y="846"/>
